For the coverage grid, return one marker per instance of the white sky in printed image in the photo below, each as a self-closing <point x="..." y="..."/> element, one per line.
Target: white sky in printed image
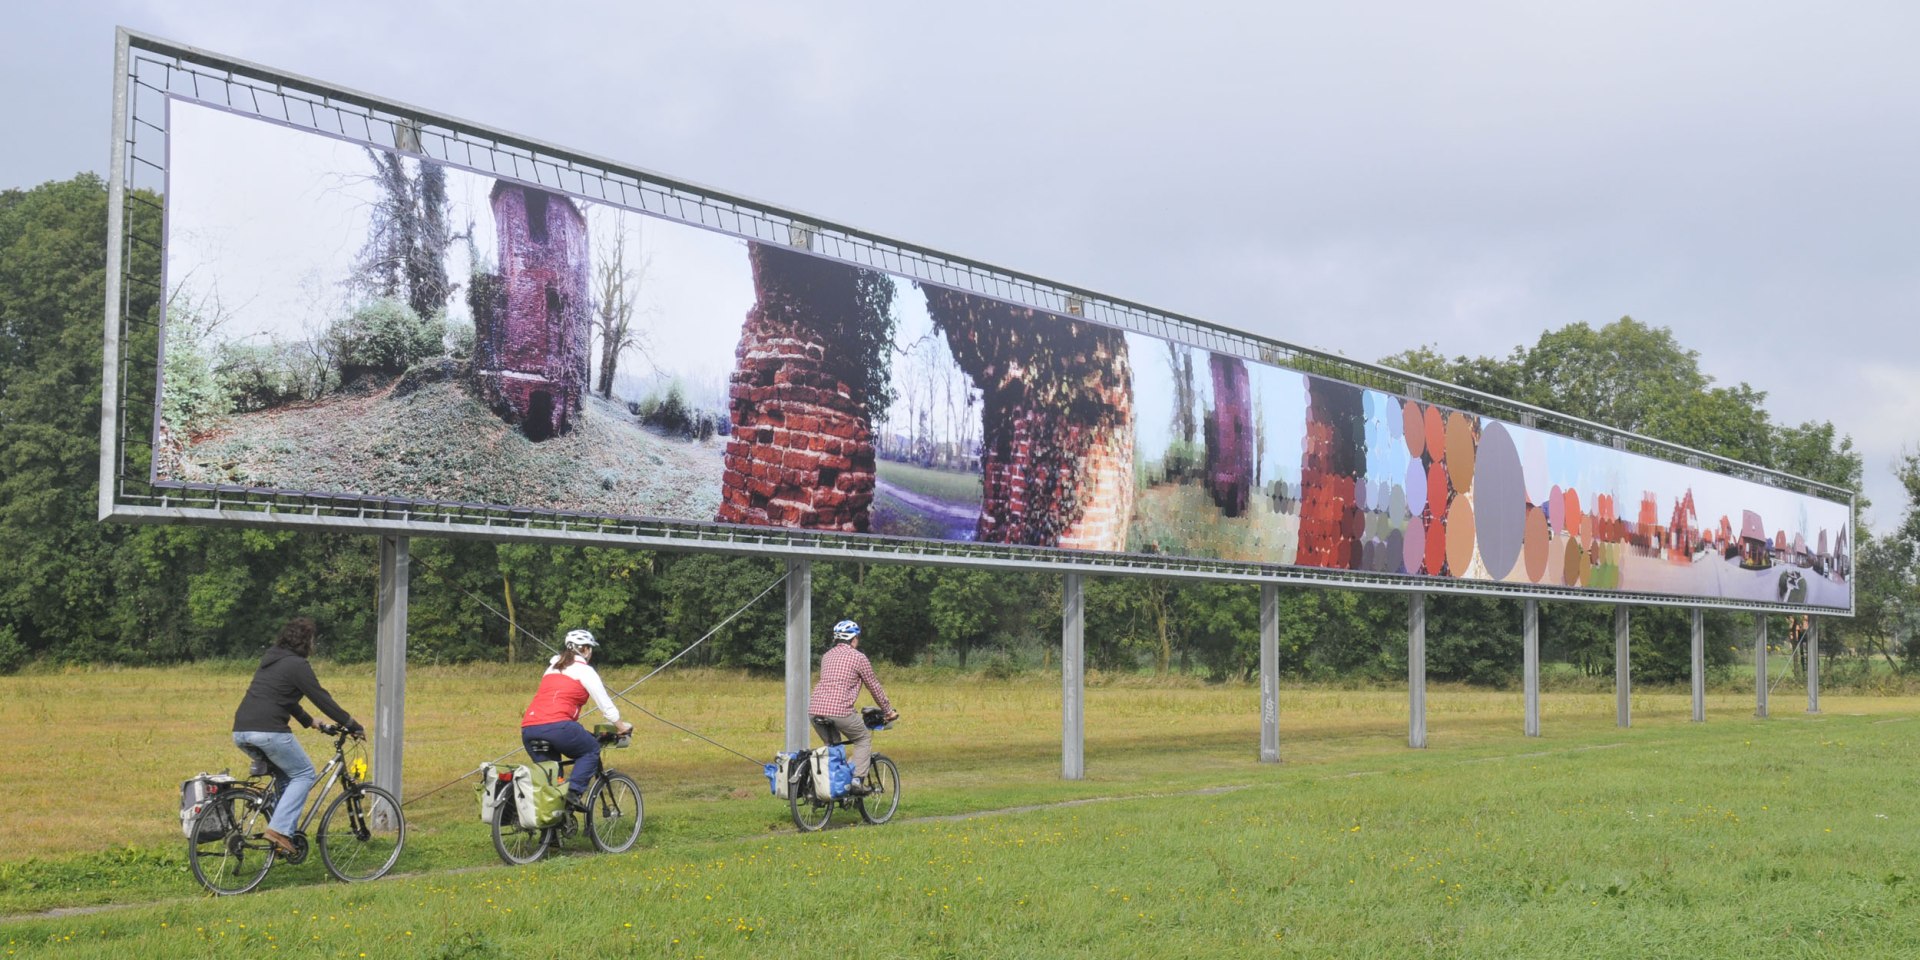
<point x="239" y="186"/>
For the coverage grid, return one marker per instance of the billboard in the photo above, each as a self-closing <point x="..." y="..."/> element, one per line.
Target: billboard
<point x="350" y="320"/>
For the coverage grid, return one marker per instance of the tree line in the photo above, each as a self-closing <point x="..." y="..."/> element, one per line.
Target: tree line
<point x="73" y="590"/>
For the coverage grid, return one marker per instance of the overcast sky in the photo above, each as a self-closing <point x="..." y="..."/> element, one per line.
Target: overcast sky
<point x="1360" y="178"/>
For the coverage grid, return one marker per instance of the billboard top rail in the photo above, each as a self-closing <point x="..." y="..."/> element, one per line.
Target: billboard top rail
<point x="276" y="94"/>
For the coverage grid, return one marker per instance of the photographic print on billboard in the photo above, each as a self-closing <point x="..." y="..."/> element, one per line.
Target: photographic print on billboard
<point x="346" y="320"/>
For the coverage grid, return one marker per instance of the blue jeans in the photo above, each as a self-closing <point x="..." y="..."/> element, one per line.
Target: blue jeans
<point x="293" y="772"/>
<point x="572" y="740"/>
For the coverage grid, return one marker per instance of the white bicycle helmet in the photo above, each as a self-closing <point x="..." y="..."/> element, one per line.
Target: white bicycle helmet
<point x="845" y="630"/>
<point x="578" y="640"/>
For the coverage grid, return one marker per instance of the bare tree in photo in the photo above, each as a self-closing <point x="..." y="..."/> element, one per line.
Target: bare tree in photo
<point x="616" y="297"/>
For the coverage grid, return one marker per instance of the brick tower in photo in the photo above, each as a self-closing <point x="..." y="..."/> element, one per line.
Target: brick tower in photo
<point x="532" y="319"/>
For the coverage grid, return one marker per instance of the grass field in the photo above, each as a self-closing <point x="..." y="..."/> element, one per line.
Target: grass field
<point x="1790" y="837"/>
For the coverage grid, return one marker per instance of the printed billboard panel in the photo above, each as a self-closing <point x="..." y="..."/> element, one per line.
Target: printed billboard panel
<point x="346" y="320"/>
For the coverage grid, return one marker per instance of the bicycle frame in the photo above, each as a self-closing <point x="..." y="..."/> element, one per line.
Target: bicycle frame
<point x="325" y="779"/>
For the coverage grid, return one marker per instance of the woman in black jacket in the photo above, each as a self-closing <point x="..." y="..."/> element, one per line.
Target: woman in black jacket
<point x="260" y="725"/>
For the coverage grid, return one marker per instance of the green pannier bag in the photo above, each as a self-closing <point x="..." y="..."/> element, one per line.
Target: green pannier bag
<point x="539" y="798"/>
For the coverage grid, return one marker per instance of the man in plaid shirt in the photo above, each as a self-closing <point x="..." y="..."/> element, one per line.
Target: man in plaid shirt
<point x="843" y="670"/>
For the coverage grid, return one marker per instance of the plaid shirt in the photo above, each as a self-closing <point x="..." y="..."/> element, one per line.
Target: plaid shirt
<point x="842" y="670"/>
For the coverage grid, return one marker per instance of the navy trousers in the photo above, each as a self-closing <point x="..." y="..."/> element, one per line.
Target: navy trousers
<point x="573" y="740"/>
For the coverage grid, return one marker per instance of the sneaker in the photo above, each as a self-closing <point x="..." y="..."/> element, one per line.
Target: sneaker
<point x="857" y="789"/>
<point x="576" y="802"/>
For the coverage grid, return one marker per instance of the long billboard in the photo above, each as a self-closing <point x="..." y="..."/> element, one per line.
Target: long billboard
<point x="348" y="319"/>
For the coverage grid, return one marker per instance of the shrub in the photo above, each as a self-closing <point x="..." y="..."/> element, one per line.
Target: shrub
<point x="257" y="376"/>
<point x="192" y="395"/>
<point x="383" y="336"/>
<point x="458" y="341"/>
<point x="13" y="653"/>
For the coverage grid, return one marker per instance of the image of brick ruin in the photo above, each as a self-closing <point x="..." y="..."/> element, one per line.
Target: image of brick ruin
<point x="801" y="451"/>
<point x="1331" y="465"/>
<point x="1057" y="422"/>
<point x="532" y="320"/>
<point x="1229" y="469"/>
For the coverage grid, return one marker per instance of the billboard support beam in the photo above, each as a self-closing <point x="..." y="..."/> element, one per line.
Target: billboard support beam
<point x="1622" y="671"/>
<point x="390" y="664"/>
<point x="1417" y="671"/>
<point x="1269" y="673"/>
<point x="1530" y="658"/>
<point x="1073" y="649"/>
<point x="1760" y="665"/>
<point x="799" y="650"/>
<point x="1699" y="666"/>
<point x="1813" y="664"/>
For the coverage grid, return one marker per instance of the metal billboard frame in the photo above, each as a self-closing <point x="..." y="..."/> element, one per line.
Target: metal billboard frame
<point x="150" y="71"/>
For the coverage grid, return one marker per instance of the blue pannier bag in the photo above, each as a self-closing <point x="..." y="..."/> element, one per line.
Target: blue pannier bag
<point x="839" y="770"/>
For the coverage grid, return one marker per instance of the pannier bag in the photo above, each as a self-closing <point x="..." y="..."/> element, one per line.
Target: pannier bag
<point x="537" y="796"/>
<point x="832" y="774"/>
<point x="781" y="771"/>
<point x="195" y="794"/>
<point x="492" y="790"/>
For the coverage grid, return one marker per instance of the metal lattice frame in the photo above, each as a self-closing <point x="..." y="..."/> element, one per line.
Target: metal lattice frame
<point x="149" y="72"/>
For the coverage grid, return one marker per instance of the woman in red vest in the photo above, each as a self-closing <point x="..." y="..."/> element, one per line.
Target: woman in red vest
<point x="554" y="714"/>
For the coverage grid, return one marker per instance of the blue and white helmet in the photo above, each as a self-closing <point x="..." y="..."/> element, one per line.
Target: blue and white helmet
<point x="845" y="630"/>
<point x="578" y="640"/>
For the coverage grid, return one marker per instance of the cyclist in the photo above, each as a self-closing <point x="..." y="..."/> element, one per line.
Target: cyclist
<point x="260" y="724"/>
<point x="843" y="670"/>
<point x="554" y="714"/>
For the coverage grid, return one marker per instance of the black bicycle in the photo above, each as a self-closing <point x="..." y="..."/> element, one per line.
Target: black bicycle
<point x="878" y="801"/>
<point x="360" y="834"/>
<point x="614" y="815"/>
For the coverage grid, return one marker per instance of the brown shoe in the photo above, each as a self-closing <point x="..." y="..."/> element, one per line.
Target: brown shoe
<point x="280" y="841"/>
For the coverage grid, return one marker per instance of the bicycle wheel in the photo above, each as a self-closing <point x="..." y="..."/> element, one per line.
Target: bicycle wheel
<point x="517" y="844"/>
<point x="809" y="813"/>
<point x="237" y="860"/>
<point x="614" y="813"/>
<point x="361" y="834"/>
<point x="883" y="791"/>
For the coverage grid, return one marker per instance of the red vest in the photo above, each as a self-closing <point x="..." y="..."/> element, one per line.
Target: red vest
<point x="560" y="697"/>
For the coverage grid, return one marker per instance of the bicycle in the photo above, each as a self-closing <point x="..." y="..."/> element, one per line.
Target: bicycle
<point x="882" y="781"/>
<point x="615" y="811"/>
<point x="360" y="835"/>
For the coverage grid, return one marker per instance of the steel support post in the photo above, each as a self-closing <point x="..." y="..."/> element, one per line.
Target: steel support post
<point x="1759" y="664"/>
<point x="1622" y="671"/>
<point x="390" y="665"/>
<point x="1813" y="664"/>
<point x="1417" y="671"/>
<point x="1530" y="662"/>
<point x="799" y="651"/>
<point x="1073" y="652"/>
<point x="1269" y="673"/>
<point x="1699" y="668"/>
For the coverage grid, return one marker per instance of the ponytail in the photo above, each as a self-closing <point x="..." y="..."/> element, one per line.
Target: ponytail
<point x="566" y="659"/>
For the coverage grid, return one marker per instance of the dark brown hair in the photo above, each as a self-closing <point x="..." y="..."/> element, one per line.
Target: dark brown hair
<point x="567" y="657"/>
<point x="297" y="636"/>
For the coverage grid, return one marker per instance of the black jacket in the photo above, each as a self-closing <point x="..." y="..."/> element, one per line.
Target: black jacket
<point x="283" y="678"/>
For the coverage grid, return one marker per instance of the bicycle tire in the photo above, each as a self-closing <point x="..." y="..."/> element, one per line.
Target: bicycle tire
<point x="809" y="812"/>
<point x="368" y="843"/>
<point x="883" y="784"/>
<point x="615" y="813"/>
<point x="517" y="845"/>
<point x="238" y="860"/>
